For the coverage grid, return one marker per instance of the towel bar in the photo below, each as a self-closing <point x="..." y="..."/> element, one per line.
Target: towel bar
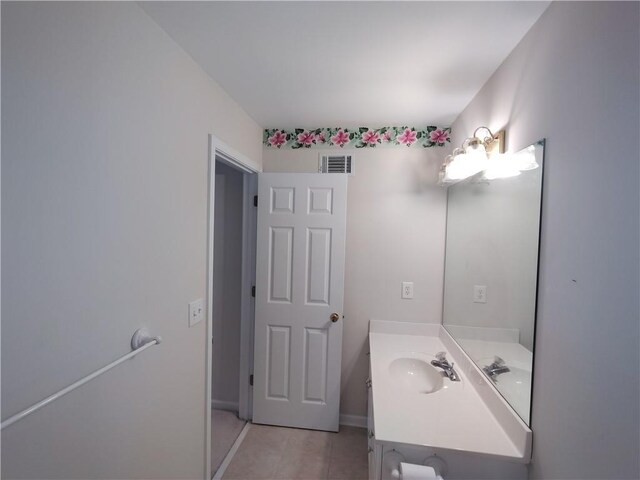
<point x="139" y="342"/>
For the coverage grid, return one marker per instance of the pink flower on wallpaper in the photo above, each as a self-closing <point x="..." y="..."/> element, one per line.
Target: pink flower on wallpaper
<point x="407" y="137"/>
<point x="306" y="138"/>
<point x="370" y="137"/>
<point x="320" y="138"/>
<point x="340" y="138"/>
<point x="439" y="136"/>
<point x="386" y="136"/>
<point x="277" y="139"/>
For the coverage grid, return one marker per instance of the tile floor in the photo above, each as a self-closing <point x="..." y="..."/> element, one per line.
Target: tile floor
<point x="288" y="453"/>
<point x="225" y="428"/>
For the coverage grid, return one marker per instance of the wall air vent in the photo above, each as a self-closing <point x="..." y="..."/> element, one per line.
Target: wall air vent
<point x="335" y="164"/>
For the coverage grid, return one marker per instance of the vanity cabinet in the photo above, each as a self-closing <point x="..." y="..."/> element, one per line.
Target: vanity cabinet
<point x="459" y="465"/>
<point x="464" y="433"/>
<point x="375" y="451"/>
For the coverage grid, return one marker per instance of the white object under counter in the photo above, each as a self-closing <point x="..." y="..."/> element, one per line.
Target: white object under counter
<point x="461" y="422"/>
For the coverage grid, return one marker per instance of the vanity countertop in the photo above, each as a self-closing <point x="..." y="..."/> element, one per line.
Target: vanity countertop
<point x="455" y="417"/>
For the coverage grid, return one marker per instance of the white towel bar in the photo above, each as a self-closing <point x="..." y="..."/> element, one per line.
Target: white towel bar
<point x="139" y="342"/>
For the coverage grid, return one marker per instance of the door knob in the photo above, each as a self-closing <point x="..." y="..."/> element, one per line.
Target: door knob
<point x="334" y="317"/>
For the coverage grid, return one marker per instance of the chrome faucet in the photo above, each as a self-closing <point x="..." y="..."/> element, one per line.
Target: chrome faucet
<point x="442" y="362"/>
<point x="496" y="368"/>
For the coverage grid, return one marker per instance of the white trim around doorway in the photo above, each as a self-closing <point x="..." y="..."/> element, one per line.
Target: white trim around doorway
<point x="219" y="150"/>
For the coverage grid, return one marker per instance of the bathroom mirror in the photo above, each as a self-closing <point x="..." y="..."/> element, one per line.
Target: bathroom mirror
<point x="491" y="272"/>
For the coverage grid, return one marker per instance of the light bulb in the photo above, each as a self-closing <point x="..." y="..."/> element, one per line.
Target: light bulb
<point x="501" y="166"/>
<point x="526" y="160"/>
<point x="464" y="165"/>
<point x="475" y="147"/>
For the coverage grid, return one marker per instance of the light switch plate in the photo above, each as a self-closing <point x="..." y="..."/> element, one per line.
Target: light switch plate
<point x="479" y="294"/>
<point x="196" y="312"/>
<point x="407" y="290"/>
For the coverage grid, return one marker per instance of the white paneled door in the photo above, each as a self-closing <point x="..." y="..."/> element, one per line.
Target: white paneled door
<point x="299" y="298"/>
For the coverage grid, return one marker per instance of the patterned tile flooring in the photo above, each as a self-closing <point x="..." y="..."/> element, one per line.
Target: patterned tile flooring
<point x="289" y="453"/>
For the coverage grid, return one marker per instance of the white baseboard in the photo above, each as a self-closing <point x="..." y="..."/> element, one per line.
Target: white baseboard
<point x="346" y="420"/>
<point x="224" y="405"/>
<point x="353" y="420"/>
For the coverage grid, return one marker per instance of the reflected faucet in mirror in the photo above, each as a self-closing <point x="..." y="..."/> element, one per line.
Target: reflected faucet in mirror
<point x="496" y="368"/>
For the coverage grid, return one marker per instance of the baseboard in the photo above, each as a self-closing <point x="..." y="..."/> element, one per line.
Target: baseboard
<point x="353" y="420"/>
<point x="224" y="405"/>
<point x="346" y="420"/>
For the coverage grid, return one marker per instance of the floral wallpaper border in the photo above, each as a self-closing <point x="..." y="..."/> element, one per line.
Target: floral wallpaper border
<point x="359" y="137"/>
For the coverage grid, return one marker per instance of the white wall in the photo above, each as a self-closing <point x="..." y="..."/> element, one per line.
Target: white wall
<point x="395" y="233"/>
<point x="104" y="226"/>
<point x="227" y="283"/>
<point x="574" y="81"/>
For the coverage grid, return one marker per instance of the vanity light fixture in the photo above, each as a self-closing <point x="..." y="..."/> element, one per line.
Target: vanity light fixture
<point x="481" y="152"/>
<point x="484" y="152"/>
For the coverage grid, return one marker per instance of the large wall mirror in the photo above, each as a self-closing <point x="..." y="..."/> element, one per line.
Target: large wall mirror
<point x="491" y="273"/>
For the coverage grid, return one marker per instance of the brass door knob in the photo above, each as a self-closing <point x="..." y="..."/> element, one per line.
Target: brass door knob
<point x="334" y="317"/>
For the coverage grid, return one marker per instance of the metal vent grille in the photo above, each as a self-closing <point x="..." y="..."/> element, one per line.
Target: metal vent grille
<point x="336" y="164"/>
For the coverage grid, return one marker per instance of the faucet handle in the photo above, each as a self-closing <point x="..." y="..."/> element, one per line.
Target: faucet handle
<point x="441" y="356"/>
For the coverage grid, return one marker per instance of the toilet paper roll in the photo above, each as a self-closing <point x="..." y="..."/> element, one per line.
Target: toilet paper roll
<point x="409" y="471"/>
<point x="391" y="465"/>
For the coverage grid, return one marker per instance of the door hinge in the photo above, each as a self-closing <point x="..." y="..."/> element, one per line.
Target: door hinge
<point x="251" y="380"/>
<point x="255" y="200"/>
<point x="253" y="291"/>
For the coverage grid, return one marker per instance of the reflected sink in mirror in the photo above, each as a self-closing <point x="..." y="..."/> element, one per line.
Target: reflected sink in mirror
<point x="514" y="385"/>
<point x="415" y="375"/>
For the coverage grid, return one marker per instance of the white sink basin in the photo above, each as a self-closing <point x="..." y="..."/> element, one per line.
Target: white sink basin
<point x="415" y="375"/>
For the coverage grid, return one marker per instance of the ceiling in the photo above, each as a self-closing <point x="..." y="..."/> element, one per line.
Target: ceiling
<point x="315" y="64"/>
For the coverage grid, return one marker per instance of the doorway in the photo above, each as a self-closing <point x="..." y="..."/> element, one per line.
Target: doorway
<point x="231" y="276"/>
<point x="226" y="424"/>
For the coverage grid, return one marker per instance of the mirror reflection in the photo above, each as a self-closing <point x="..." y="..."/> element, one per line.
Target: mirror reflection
<point x="491" y="274"/>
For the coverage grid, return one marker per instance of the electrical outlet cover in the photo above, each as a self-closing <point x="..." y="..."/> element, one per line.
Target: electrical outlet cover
<point x="479" y="294"/>
<point x="407" y="290"/>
